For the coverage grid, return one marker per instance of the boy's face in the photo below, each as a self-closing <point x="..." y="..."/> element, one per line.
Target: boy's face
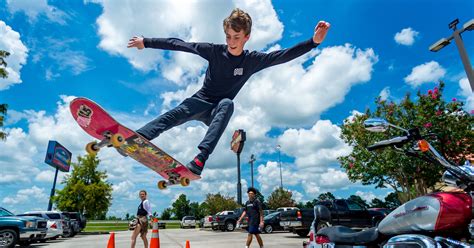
<point x="251" y="195"/>
<point x="142" y="195"/>
<point x="235" y="41"/>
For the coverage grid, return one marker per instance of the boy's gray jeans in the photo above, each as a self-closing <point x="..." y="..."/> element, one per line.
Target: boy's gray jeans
<point x="215" y="115"/>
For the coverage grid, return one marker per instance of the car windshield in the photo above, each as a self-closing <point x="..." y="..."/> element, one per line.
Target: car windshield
<point x="271" y="215"/>
<point x="4" y="212"/>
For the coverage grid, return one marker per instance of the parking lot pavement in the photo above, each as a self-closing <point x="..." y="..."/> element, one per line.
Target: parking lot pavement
<point x="176" y="238"/>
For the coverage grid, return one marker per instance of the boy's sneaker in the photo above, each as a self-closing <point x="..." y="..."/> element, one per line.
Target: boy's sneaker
<point x="196" y="165"/>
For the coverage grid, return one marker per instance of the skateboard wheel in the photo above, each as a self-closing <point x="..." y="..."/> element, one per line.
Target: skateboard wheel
<point x="184" y="181"/>
<point x="162" y="184"/>
<point x="117" y="140"/>
<point x="92" y="149"/>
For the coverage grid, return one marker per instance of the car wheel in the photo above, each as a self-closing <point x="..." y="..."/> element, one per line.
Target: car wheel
<point x="229" y="226"/>
<point x="268" y="228"/>
<point x="8" y="238"/>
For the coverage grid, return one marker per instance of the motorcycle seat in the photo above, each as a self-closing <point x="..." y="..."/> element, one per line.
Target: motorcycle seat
<point x="346" y="235"/>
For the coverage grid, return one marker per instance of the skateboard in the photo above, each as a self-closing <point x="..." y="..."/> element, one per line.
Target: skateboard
<point x="95" y="121"/>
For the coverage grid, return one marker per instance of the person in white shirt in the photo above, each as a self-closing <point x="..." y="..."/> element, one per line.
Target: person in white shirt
<point x="143" y="212"/>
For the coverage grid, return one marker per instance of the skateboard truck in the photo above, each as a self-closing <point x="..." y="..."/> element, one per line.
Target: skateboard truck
<point x="174" y="178"/>
<point x="110" y="139"/>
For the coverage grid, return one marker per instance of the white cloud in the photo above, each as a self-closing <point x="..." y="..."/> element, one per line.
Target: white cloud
<point x="304" y="93"/>
<point x="406" y="36"/>
<point x="425" y="73"/>
<point x="33" y="9"/>
<point x="353" y="115"/>
<point x="384" y="94"/>
<point x="315" y="148"/>
<point x="367" y="196"/>
<point x="33" y="194"/>
<point x="12" y="43"/>
<point x="467" y="93"/>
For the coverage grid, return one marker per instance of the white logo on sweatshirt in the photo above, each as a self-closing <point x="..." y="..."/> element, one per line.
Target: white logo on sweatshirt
<point x="238" y="71"/>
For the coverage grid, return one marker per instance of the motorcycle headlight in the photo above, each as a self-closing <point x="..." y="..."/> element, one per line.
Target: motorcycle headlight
<point x="29" y="224"/>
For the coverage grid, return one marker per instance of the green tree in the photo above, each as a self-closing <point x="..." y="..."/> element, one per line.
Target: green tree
<point x="166" y="215"/>
<point x="281" y="198"/>
<point x="216" y="203"/>
<point x="409" y="177"/>
<point x="86" y="190"/>
<point x="326" y="196"/>
<point x="359" y="200"/>
<point x="3" y="63"/>
<point x="377" y="203"/>
<point x="3" y="113"/>
<point x="127" y="216"/>
<point x="181" y="207"/>
<point x="3" y="107"/>
<point x="392" y="201"/>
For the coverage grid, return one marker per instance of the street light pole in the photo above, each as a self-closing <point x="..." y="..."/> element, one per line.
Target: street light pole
<point x="279" y="162"/>
<point x="460" y="45"/>
<point x="252" y="159"/>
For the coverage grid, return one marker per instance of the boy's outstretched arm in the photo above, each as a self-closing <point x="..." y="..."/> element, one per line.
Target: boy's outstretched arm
<point x="202" y="49"/>
<point x="265" y="60"/>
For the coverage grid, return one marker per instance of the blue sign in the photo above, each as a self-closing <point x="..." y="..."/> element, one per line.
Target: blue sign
<point x="58" y="156"/>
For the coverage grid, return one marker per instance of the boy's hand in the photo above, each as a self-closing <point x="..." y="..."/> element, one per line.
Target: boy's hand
<point x="320" y="31"/>
<point x="136" y="42"/>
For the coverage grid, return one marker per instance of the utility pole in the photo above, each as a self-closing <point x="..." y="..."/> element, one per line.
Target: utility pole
<point x="252" y="159"/>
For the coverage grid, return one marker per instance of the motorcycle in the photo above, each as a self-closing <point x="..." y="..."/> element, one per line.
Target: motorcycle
<point x="438" y="219"/>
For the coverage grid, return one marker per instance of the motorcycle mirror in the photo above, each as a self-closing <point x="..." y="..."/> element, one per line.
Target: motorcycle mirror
<point x="376" y="125"/>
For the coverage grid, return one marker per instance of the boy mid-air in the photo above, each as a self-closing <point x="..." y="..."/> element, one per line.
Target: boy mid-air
<point x="230" y="66"/>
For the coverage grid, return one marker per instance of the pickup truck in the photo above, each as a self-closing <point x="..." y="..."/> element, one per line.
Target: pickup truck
<point x="226" y="220"/>
<point x="331" y="212"/>
<point x="22" y="230"/>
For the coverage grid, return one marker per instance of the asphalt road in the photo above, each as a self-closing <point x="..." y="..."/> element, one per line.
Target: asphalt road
<point x="176" y="238"/>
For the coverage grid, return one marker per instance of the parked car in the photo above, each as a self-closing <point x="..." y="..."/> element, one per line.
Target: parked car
<point x="55" y="223"/>
<point x="332" y="212"/>
<point x="268" y="211"/>
<point x="206" y="222"/>
<point x="226" y="220"/>
<point x="20" y="229"/>
<point x="78" y="221"/>
<point x="283" y="209"/>
<point x="272" y="223"/>
<point x="188" y="221"/>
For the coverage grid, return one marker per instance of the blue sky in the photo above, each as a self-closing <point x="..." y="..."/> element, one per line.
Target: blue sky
<point x="61" y="50"/>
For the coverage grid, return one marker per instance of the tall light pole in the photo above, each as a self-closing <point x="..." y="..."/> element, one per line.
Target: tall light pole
<point x="459" y="43"/>
<point x="279" y="162"/>
<point x="252" y="159"/>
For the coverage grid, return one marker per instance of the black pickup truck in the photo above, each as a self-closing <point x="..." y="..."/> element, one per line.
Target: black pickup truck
<point x="226" y="220"/>
<point x="331" y="212"/>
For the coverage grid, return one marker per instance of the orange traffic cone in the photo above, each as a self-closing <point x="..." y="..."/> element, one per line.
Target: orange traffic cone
<point x="155" y="235"/>
<point x="111" y="243"/>
<point x="187" y="244"/>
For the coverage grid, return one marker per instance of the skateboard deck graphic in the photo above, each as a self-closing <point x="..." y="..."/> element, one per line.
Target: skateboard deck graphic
<point x="95" y="121"/>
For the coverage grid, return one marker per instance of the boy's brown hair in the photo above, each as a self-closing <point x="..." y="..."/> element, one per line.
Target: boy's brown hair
<point x="238" y="20"/>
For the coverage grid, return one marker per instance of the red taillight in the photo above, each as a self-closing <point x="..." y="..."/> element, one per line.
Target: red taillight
<point x="210" y="219"/>
<point x="311" y="237"/>
<point x="322" y="240"/>
<point x="217" y="218"/>
<point x="54" y="226"/>
<point x="298" y="214"/>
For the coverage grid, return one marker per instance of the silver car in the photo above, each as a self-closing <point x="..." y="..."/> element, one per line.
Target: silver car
<point x="56" y="222"/>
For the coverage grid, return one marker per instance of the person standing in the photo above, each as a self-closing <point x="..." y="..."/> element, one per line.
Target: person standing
<point x="143" y="212"/>
<point x="253" y="209"/>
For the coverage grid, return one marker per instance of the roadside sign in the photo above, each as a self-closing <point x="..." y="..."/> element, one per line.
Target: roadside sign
<point x="58" y="156"/>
